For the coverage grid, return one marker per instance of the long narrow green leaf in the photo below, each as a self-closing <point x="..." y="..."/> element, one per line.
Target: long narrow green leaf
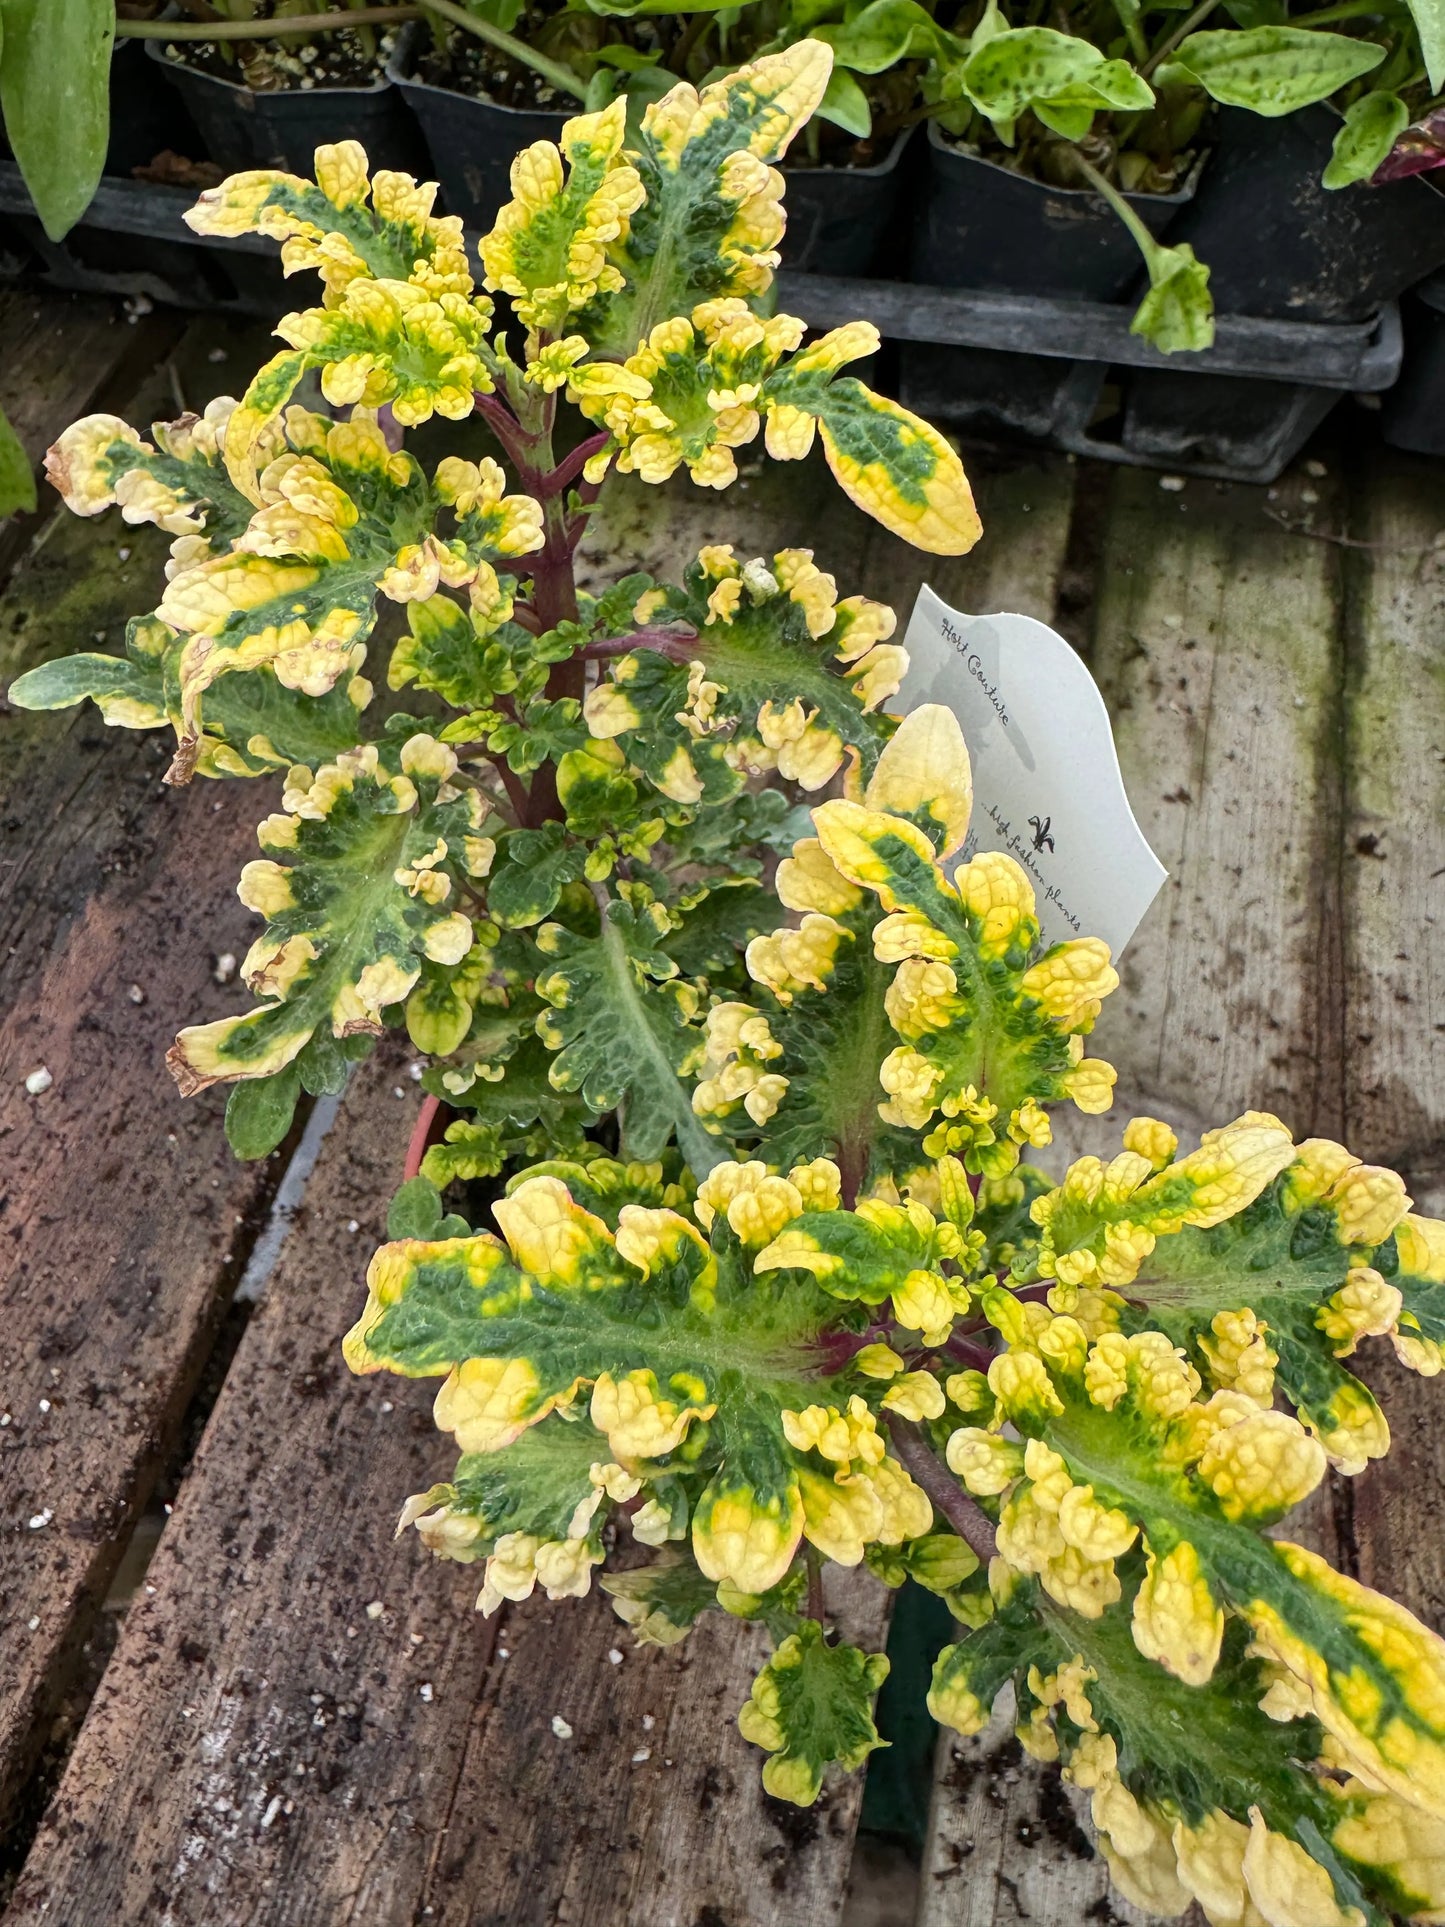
<point x="55" y="94"/>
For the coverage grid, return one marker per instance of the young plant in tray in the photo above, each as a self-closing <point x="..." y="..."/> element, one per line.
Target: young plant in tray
<point x="778" y="1281"/>
<point x="1114" y="96"/>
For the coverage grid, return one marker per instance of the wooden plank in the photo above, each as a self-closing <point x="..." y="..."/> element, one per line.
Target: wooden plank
<point x="1394" y="871"/>
<point x="1215" y="645"/>
<point x="121" y="1210"/>
<point x="462" y="1799"/>
<point x="59" y="356"/>
<point x="1216" y="648"/>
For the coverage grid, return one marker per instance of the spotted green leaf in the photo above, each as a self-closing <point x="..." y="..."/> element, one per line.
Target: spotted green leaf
<point x="1271" y="70"/>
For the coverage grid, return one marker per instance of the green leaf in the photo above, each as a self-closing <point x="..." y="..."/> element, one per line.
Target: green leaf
<point x="1429" y="18"/>
<point x="1372" y="125"/>
<point x="467" y="1150"/>
<point x="536" y="866"/>
<point x="259" y="1113"/>
<point x="661" y="1601"/>
<point x="415" y="1210"/>
<point x="1177" y="314"/>
<point x="55" y="93"/>
<point x="1062" y="78"/>
<point x="17" y="479"/>
<point x="882" y="34"/>
<point x="846" y="105"/>
<point x="812" y="1707"/>
<point x="1271" y="70"/>
<point x="623" y="1026"/>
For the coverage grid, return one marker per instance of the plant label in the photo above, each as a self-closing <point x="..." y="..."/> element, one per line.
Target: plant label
<point x="1046" y="783"/>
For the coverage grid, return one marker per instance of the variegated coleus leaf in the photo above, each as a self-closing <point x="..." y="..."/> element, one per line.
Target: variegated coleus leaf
<point x="343" y="224"/>
<point x="342" y="517"/>
<point x="992" y="1025"/>
<point x="1124" y="1463"/>
<point x="709" y="217"/>
<point x="364" y="867"/>
<point x="700" y="385"/>
<point x="800" y="1063"/>
<point x="1271" y="1261"/>
<point x="811" y="1707"/>
<point x="252" y="722"/>
<point x="622" y="1021"/>
<point x="1198" y="1792"/>
<point x="179" y="481"/>
<point x="705" y="1376"/>
<point x="750" y="667"/>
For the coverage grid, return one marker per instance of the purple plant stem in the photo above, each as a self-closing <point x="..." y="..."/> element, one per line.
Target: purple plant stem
<point x="572" y="465"/>
<point x="676" y="643"/>
<point x="968" y="1520"/>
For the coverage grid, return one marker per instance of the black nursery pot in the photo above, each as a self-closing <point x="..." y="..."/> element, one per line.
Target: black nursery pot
<point x="1413" y="415"/>
<point x="243" y="128"/>
<point x="1281" y="245"/>
<point x="472" y="143"/>
<point x="983" y="226"/>
<point x="145" y="115"/>
<point x="841" y="219"/>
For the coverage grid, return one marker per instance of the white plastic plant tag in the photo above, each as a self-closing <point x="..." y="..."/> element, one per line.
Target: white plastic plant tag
<point x="1046" y="782"/>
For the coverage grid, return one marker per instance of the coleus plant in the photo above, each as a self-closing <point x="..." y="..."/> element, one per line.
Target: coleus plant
<point x="753" y="1082"/>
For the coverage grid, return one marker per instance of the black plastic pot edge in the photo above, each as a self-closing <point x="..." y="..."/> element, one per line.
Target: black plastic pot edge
<point x="239" y="125"/>
<point x="471" y="141"/>
<point x="1413" y="415"/>
<point x="839" y="217"/>
<point x="1305" y="251"/>
<point x="984" y="227"/>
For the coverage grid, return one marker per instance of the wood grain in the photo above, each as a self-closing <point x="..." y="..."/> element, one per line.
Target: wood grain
<point x="1394" y="890"/>
<point x="1216" y="647"/>
<point x="123" y="1219"/>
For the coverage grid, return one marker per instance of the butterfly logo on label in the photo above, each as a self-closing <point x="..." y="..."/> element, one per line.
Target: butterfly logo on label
<point x="1042" y="839"/>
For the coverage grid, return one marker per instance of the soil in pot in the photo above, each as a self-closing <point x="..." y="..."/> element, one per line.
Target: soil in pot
<point x="1279" y="244"/>
<point x="275" y="103"/>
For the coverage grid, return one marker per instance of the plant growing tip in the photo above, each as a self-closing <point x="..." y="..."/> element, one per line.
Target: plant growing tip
<point x="674" y="908"/>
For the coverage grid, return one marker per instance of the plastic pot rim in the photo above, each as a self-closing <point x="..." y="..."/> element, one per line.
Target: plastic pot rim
<point x="825" y="173"/>
<point x="1181" y="194"/>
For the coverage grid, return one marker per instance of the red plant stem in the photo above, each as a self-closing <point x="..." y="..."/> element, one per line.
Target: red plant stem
<point x="572" y="465"/>
<point x="666" y="642"/>
<point x="420" y="1137"/>
<point x="517" y="794"/>
<point x="816" y="1608"/>
<point x="967" y="1353"/>
<point x="508" y="431"/>
<point x="969" y="1521"/>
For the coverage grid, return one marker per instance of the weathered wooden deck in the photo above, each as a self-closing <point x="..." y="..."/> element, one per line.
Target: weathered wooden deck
<point x="286" y="1718"/>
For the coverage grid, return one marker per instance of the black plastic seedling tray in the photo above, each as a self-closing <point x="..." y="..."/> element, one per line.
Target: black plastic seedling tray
<point x="1239" y="411"/>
